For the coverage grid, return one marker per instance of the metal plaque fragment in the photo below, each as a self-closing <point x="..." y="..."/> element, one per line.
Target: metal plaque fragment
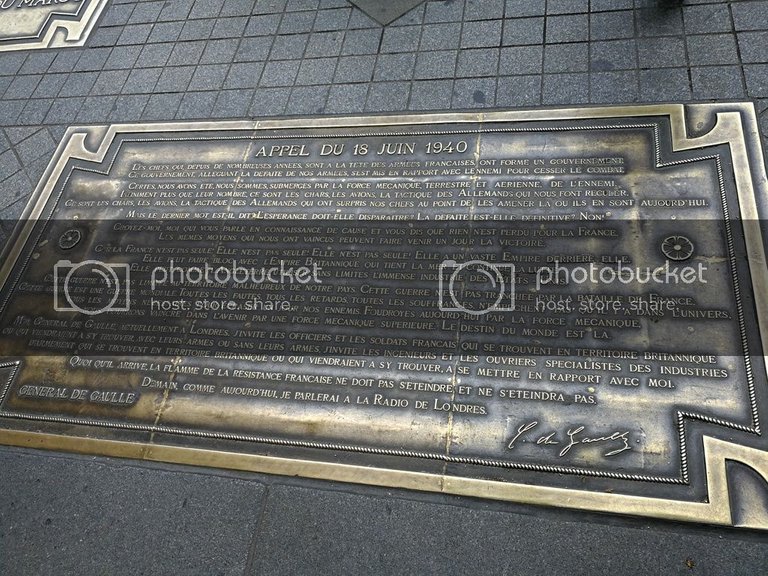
<point x="386" y="12"/>
<point x="561" y="307"/>
<point x="32" y="24"/>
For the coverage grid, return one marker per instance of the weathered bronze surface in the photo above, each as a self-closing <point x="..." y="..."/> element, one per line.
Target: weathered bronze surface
<point x="465" y="309"/>
<point x="30" y="24"/>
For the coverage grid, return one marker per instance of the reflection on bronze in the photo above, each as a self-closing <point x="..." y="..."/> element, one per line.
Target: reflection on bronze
<point x="26" y="25"/>
<point x="396" y="364"/>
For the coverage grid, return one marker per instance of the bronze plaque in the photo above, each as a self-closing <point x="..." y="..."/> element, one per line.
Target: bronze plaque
<point x="30" y="24"/>
<point x="562" y="307"/>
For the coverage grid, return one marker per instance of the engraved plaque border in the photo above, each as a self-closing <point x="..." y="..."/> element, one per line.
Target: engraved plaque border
<point x="733" y="124"/>
<point x="59" y="30"/>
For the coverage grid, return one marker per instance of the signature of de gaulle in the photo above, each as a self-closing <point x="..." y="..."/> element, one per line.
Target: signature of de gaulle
<point x="574" y="437"/>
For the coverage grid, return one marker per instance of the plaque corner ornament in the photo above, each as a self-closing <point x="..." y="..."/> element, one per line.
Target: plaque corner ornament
<point x="65" y="24"/>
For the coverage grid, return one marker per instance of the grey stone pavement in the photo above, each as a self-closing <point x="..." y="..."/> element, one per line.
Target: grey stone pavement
<point x="234" y="59"/>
